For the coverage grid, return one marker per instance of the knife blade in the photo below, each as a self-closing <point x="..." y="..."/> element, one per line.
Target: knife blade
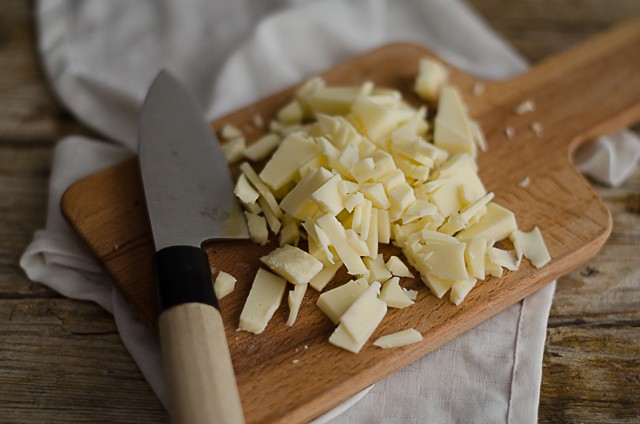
<point x="189" y="195"/>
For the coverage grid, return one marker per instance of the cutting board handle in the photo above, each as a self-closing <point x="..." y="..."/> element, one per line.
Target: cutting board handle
<point x="592" y="88"/>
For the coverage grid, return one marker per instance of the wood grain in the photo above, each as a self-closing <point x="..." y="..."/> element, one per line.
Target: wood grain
<point x="571" y="95"/>
<point x="47" y="376"/>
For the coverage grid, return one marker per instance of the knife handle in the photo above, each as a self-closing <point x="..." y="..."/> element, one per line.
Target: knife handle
<point x="200" y="377"/>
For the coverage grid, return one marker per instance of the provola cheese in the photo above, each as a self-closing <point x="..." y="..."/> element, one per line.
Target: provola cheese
<point x="358" y="166"/>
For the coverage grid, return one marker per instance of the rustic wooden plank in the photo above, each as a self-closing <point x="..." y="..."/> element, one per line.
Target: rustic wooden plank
<point x="28" y="111"/>
<point x="539" y="28"/>
<point x="63" y="361"/>
<point x="593" y="373"/>
<point x="24" y="175"/>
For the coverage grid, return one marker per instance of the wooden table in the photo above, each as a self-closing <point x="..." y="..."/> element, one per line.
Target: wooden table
<point x="62" y="360"/>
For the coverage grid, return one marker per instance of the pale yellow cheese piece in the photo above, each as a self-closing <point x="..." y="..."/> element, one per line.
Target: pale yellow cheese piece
<point x="263" y="300"/>
<point x="297" y="202"/>
<point x="224" y="284"/>
<point x="438" y="286"/>
<point x="375" y="192"/>
<point x="452" y="124"/>
<point x="496" y="224"/>
<point x="257" y="226"/>
<point x="445" y="260"/>
<point x="324" y="242"/>
<point x="357" y="244"/>
<point x="398" y="268"/>
<point x="262" y="188"/>
<point x="531" y="246"/>
<point x="401" y="197"/>
<point x="460" y="289"/>
<point x="372" y="236"/>
<point x="384" y="226"/>
<point x="289" y="234"/>
<point x="262" y="147"/>
<point x="233" y="149"/>
<point x="393" y="295"/>
<point x="459" y="221"/>
<point x="295" y="300"/>
<point x="325" y="276"/>
<point x="416" y="126"/>
<point x="377" y="269"/>
<point x="491" y="268"/>
<point x="245" y="191"/>
<point x="329" y="197"/>
<point x="336" y="301"/>
<point x="291" y="113"/>
<point x="365" y="313"/>
<point x="400" y="338"/>
<point x="336" y="233"/>
<point x="336" y="100"/>
<point x="292" y="263"/>
<point x="432" y="75"/>
<point x="474" y="257"/>
<point x="367" y="208"/>
<point x="341" y="338"/>
<point x="363" y="170"/>
<point x="272" y="219"/>
<point x="230" y="131"/>
<point x="504" y="258"/>
<point x="352" y="200"/>
<point x="392" y="180"/>
<point x="294" y="151"/>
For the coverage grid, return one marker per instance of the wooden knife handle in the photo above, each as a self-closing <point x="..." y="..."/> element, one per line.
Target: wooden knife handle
<point x="197" y="363"/>
<point x="202" y="385"/>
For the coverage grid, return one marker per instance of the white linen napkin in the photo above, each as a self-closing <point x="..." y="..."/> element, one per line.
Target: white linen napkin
<point x="101" y="57"/>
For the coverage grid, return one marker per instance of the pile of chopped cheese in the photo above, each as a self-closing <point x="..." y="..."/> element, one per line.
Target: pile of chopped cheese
<point x="351" y="167"/>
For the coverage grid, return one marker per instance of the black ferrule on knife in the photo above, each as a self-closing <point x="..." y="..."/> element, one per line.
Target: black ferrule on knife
<point x="183" y="275"/>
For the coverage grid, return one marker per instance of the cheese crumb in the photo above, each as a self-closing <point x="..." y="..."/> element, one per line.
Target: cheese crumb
<point x="525" y="107"/>
<point x="536" y="127"/>
<point x="510" y="132"/>
<point x="229" y="131"/>
<point x="478" y="89"/>
<point x="524" y="182"/>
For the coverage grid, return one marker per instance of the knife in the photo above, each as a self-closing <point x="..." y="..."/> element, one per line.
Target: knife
<point x="189" y="195"/>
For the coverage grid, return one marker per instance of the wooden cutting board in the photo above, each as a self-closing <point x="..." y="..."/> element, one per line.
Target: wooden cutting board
<point x="294" y="374"/>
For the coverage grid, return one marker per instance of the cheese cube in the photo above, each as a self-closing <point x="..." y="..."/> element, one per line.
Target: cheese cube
<point x="335" y="302"/>
<point x="336" y="233"/>
<point x="329" y="197"/>
<point x="375" y="192"/>
<point x="452" y="124"/>
<point x="365" y="313"/>
<point x="297" y="202"/>
<point x="377" y="268"/>
<point x="325" y="276"/>
<point x="292" y="263"/>
<point x="262" y="147"/>
<point x="295" y="300"/>
<point x="431" y="77"/>
<point x="460" y="289"/>
<point x="384" y="226"/>
<point x="224" y="284"/>
<point x="291" y="113"/>
<point x="503" y="258"/>
<point x="230" y="131"/>
<point x="263" y="300"/>
<point x="445" y="260"/>
<point x="531" y="246"/>
<point x="257" y="227"/>
<point x="393" y="295"/>
<point x="398" y="268"/>
<point x="400" y="338"/>
<point x="262" y="188"/>
<point x="290" y="234"/>
<point x="233" y="149"/>
<point x="474" y="257"/>
<point x="496" y="224"/>
<point x="295" y="150"/>
<point x="245" y="191"/>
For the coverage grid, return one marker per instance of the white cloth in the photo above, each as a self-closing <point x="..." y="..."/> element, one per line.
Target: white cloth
<point x="101" y="57"/>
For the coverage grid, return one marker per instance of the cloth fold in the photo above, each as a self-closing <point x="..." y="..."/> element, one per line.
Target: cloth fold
<point x="101" y="57"/>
